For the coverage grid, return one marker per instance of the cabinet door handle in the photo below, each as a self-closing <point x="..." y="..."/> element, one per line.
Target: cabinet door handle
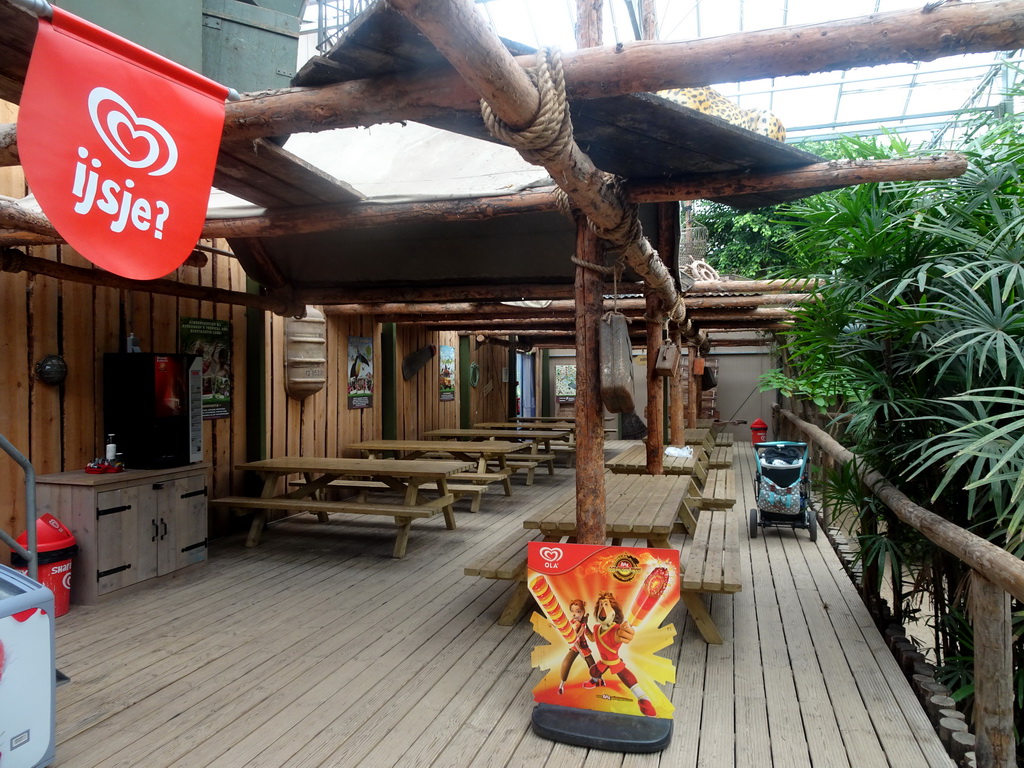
<point x="158" y="486"/>
<point x="163" y="524"/>
<point x="156" y="531"/>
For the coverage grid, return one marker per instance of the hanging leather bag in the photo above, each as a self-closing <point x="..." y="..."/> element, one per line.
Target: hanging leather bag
<point x="616" y="364"/>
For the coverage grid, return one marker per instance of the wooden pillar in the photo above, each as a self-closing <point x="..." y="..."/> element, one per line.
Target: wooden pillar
<point x="588" y="23"/>
<point x="993" y="674"/>
<point x="648" y="20"/>
<point x="590" y="499"/>
<point x="676" y="400"/>
<point x="655" y="391"/>
<point x="692" y="387"/>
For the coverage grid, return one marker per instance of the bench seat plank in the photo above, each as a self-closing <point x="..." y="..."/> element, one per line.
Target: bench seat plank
<point x="507" y="560"/>
<point x="712" y="566"/>
<point x="721" y="457"/>
<point x="457" y="490"/>
<point x="719" y="489"/>
<point x="403" y="514"/>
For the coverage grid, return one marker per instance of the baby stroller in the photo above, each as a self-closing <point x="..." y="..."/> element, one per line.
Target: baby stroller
<point x="782" y="488"/>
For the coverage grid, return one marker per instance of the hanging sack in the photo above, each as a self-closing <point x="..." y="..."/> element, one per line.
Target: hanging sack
<point x="668" y="359"/>
<point x="616" y="364"/>
<point x="708" y="379"/>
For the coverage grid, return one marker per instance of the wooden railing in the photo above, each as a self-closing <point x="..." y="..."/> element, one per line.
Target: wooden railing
<point x="995" y="575"/>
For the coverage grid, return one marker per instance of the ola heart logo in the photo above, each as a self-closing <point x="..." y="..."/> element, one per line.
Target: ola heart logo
<point x="120" y="156"/>
<point x="551" y="554"/>
<point x="136" y="141"/>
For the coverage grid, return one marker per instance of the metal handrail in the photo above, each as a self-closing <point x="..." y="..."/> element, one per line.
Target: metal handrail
<point x="31" y="554"/>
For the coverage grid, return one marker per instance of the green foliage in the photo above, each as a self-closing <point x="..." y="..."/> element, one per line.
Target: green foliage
<point x="917" y="335"/>
<point x="747" y="243"/>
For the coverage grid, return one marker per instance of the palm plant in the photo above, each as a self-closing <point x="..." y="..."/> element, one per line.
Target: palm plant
<point x="917" y="335"/>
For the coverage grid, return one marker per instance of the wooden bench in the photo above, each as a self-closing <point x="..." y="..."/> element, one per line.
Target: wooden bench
<point x="719" y="490"/>
<point x="721" y="457"/>
<point x="488" y="477"/>
<point x="529" y="462"/>
<point x="724" y="438"/>
<point x="569" y="451"/>
<point x="506" y="559"/>
<point x="403" y="514"/>
<point x="711" y="565"/>
<point x="474" y="492"/>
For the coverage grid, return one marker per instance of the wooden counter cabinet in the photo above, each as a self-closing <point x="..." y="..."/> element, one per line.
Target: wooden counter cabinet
<point x="129" y="526"/>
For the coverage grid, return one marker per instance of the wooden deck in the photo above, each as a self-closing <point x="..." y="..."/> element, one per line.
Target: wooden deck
<point x="317" y="648"/>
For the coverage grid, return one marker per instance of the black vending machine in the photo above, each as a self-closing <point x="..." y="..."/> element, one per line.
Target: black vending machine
<point x="153" y="406"/>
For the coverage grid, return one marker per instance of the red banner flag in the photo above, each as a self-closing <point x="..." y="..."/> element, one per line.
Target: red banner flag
<point x="118" y="146"/>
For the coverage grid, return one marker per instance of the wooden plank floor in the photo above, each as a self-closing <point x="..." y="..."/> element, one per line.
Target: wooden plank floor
<point x="318" y="649"/>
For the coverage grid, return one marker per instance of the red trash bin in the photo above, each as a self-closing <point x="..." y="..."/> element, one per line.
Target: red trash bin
<point x="56" y="546"/>
<point x="758" y="432"/>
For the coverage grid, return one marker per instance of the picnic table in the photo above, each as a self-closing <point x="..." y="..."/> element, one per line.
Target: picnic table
<point x="648" y="507"/>
<point x="404" y="476"/>
<point x="636" y="507"/>
<point x="633" y="461"/>
<point x="538" y="440"/>
<point x="571" y="419"/>
<point x="489" y="456"/>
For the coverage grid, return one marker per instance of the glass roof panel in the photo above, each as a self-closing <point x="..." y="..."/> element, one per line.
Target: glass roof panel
<point x="926" y="96"/>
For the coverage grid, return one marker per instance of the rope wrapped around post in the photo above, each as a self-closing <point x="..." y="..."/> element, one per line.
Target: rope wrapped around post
<point x="549" y="141"/>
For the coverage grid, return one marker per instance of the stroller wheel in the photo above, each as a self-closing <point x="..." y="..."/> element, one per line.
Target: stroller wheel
<point x="753" y="524"/>
<point x="812" y="524"/>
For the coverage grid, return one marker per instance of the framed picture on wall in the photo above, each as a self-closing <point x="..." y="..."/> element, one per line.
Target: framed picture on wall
<point x="210" y="340"/>
<point x="360" y="372"/>
<point x="565" y="383"/>
<point x="446" y="363"/>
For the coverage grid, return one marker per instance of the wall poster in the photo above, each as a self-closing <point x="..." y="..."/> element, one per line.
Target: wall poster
<point x="360" y="372"/>
<point x="446" y="357"/>
<point x="210" y="340"/>
<point x="565" y="383"/>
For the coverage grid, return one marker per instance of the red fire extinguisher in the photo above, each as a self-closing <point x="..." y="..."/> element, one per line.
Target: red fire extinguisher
<point x="758" y="432"/>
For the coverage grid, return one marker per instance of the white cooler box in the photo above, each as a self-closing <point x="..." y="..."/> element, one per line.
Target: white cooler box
<point x="28" y="696"/>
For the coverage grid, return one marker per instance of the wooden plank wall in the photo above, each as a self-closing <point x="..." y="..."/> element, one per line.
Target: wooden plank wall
<point x="420" y="408"/>
<point x="489" y="398"/>
<point x="322" y="424"/>
<point x="61" y="428"/>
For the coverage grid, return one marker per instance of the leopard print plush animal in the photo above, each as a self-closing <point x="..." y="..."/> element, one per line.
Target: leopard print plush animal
<point x="710" y="102"/>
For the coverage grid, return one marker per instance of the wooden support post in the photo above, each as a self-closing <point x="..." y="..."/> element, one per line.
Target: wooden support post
<point x="993" y="674"/>
<point x="590" y="499"/>
<point x="692" y="387"/>
<point x="676" y="401"/>
<point x="655" y="391"/>
<point x="588" y="23"/>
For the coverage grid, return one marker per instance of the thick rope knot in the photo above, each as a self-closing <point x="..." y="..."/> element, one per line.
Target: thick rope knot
<point x="12" y="260"/>
<point x="628" y="230"/>
<point x="550" y="135"/>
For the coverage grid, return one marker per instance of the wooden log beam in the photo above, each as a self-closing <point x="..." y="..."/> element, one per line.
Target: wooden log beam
<point x="476" y="53"/>
<point x="29" y="228"/>
<point x="707" y="309"/>
<point x="436" y="294"/>
<point x="643" y="66"/>
<point x="15" y="261"/>
<point x="819" y="177"/>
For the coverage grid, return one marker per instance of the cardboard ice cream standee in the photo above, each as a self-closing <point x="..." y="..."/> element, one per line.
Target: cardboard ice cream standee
<point x="603" y="609"/>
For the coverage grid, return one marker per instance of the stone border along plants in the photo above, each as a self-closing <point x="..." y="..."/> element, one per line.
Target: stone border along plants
<point x="948" y="721"/>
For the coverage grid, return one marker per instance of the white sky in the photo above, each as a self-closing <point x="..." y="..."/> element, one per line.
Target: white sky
<point x="856" y="100"/>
